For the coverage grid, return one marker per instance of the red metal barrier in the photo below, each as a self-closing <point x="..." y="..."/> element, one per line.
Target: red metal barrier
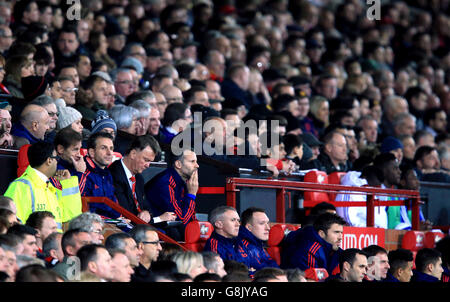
<point x="125" y="213"/>
<point x="282" y="186"/>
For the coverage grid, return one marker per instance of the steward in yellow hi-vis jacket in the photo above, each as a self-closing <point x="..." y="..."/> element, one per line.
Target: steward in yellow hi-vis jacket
<point x="34" y="192"/>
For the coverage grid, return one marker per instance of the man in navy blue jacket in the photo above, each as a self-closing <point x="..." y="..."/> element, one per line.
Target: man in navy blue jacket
<point x="224" y="240"/>
<point x="316" y="246"/>
<point x="428" y="266"/>
<point x="175" y="189"/>
<point x="401" y="262"/>
<point x="97" y="181"/>
<point x="253" y="234"/>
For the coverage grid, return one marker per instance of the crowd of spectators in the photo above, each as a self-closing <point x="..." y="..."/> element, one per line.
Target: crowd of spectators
<point x="275" y="85"/>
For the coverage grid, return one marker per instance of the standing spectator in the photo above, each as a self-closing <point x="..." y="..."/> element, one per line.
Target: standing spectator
<point x="64" y="204"/>
<point x="316" y="246"/>
<point x="428" y="266"/>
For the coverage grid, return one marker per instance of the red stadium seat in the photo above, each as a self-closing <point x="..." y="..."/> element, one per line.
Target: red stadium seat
<point x="335" y="179"/>
<point x="316" y="177"/>
<point x="316" y="274"/>
<point x="196" y="234"/>
<point x="276" y="236"/>
<point x="431" y="238"/>
<point x="413" y="240"/>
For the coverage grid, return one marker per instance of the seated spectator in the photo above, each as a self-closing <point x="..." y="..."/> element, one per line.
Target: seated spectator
<point x="16" y="68"/>
<point x="97" y="181"/>
<point x="214" y="263"/>
<point x="175" y="189"/>
<point x="27" y="237"/>
<point x="95" y="97"/>
<point x="52" y="249"/>
<point x="293" y="145"/>
<point x="392" y="145"/>
<point x="352" y="266"/>
<point x="68" y="90"/>
<point x="334" y="156"/>
<point x="90" y="223"/>
<point x="253" y="233"/>
<point x="125" y="243"/>
<point x="443" y="246"/>
<point x="148" y="243"/>
<point x="124" y="84"/>
<point x="103" y="123"/>
<point x="435" y="120"/>
<point x="424" y="138"/>
<point x="378" y="263"/>
<point x="32" y="126"/>
<point x="190" y="263"/>
<point x="235" y="85"/>
<point x="44" y="223"/>
<point x="126" y="119"/>
<point x="69" y="118"/>
<point x="95" y="259"/>
<point x="357" y="216"/>
<point x="68" y="145"/>
<point x="6" y="139"/>
<point x="223" y="240"/>
<point x="36" y="273"/>
<point x="270" y="274"/>
<point x="316" y="246"/>
<point x="71" y="242"/>
<point x="143" y="121"/>
<point x="401" y="263"/>
<point x="49" y="104"/>
<point x="63" y="203"/>
<point x="428" y="165"/>
<point x="177" y="118"/>
<point x="319" y="114"/>
<point x="122" y="269"/>
<point x="428" y="266"/>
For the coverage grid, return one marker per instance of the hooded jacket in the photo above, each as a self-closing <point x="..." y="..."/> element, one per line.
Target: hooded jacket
<point x="304" y="249"/>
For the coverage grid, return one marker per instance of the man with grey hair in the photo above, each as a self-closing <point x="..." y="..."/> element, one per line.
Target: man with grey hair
<point x="392" y="106"/>
<point x="144" y="116"/>
<point x="7" y="203"/>
<point x="126" y="119"/>
<point x="49" y="104"/>
<point x="226" y="223"/>
<point x="369" y="125"/>
<point x="137" y="51"/>
<point x="34" y="123"/>
<point x="146" y="95"/>
<point x="404" y="124"/>
<point x="91" y="223"/>
<point x="124" y="84"/>
<point x="52" y="249"/>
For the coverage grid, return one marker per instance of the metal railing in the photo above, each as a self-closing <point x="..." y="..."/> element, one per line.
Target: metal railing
<point x="282" y="187"/>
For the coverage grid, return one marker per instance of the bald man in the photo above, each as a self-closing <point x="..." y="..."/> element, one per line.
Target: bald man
<point x="32" y="126"/>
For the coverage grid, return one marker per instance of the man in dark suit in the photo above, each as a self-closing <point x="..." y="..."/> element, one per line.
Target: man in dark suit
<point x="129" y="182"/>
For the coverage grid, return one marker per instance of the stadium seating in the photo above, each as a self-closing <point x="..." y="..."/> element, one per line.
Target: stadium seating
<point x="432" y="237"/>
<point x="196" y="234"/>
<point x="316" y="177"/>
<point x="335" y="179"/>
<point x="22" y="159"/>
<point x="316" y="274"/>
<point x="276" y="236"/>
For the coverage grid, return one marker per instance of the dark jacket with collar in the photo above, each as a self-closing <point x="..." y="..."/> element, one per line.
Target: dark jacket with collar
<point x="123" y="191"/>
<point x="230" y="90"/>
<point x="324" y="163"/>
<point x="422" y="277"/>
<point x="98" y="182"/>
<point x="305" y="249"/>
<point x="256" y="255"/>
<point x="20" y="131"/>
<point x="390" y="278"/>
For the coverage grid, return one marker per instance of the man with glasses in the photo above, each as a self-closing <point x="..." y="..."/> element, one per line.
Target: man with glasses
<point x="124" y="84"/>
<point x="68" y="90"/>
<point x="33" y="191"/>
<point x="147" y="240"/>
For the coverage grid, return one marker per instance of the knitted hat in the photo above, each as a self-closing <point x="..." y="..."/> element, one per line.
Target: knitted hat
<point x="33" y="86"/>
<point x="102" y="121"/>
<point x="67" y="115"/>
<point x="390" y="143"/>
